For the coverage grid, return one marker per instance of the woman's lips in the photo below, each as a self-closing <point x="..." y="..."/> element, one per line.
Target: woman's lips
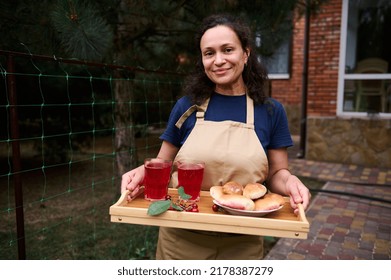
<point x="220" y="71"/>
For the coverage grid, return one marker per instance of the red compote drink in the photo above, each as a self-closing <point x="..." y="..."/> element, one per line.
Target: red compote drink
<point x="157" y="177"/>
<point x="190" y="175"/>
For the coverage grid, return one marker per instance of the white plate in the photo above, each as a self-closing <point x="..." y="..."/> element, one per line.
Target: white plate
<point x="254" y="213"/>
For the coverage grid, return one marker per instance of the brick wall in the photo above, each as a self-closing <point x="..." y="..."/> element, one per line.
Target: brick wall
<point x="288" y="91"/>
<point x="352" y="139"/>
<point x="325" y="28"/>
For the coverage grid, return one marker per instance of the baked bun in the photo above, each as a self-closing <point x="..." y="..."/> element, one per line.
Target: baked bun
<point x="233" y="187"/>
<point x="235" y="201"/>
<point x="216" y="192"/>
<point x="269" y="201"/>
<point x="254" y="191"/>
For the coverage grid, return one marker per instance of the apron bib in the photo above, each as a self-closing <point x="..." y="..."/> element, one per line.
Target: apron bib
<point x="231" y="152"/>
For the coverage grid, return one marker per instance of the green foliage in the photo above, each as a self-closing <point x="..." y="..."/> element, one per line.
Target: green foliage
<point x="25" y="27"/>
<point x="182" y="194"/>
<point x="161" y="206"/>
<point x="158" y="207"/>
<point x="83" y="33"/>
<point x="150" y="34"/>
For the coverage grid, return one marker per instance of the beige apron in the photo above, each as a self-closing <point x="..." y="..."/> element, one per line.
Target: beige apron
<point x="231" y="152"/>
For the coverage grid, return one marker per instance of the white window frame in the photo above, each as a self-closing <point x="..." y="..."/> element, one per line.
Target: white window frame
<point x="342" y="76"/>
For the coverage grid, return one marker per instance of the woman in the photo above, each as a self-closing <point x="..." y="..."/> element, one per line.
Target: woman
<point x="226" y="120"/>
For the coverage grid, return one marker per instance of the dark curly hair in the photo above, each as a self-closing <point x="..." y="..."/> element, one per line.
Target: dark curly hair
<point x="198" y="87"/>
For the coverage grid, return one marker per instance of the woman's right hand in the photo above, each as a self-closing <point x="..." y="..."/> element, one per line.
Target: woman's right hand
<point x="132" y="181"/>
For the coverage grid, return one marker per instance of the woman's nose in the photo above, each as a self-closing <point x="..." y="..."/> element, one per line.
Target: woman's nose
<point x="219" y="58"/>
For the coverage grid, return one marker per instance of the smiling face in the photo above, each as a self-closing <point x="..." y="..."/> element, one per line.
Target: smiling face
<point x="224" y="58"/>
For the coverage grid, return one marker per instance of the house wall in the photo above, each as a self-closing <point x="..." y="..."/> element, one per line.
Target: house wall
<point x="350" y="141"/>
<point x="325" y="28"/>
<point x="289" y="91"/>
<point x="329" y="138"/>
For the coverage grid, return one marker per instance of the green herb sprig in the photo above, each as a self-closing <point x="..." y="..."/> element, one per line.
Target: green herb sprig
<point x="161" y="206"/>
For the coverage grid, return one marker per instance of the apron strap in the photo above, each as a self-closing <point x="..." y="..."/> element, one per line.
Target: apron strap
<point x="250" y="111"/>
<point x="202" y="109"/>
<point x="200" y="113"/>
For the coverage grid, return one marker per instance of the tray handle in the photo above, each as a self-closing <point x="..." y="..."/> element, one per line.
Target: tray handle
<point x="302" y="213"/>
<point x="122" y="199"/>
<point x="124" y="196"/>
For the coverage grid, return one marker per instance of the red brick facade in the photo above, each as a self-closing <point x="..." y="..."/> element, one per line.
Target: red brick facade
<point x="325" y="29"/>
<point x="351" y="138"/>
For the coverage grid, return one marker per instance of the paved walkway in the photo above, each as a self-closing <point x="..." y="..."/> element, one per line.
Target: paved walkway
<point x="350" y="217"/>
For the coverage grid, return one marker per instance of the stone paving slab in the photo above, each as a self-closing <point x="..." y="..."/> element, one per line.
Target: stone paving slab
<point x="343" y="226"/>
<point x="351" y="173"/>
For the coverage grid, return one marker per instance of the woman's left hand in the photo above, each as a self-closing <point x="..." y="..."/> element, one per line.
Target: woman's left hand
<point x="282" y="181"/>
<point x="297" y="192"/>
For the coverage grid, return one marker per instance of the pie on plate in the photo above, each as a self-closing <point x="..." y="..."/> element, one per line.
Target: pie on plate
<point x="252" y="213"/>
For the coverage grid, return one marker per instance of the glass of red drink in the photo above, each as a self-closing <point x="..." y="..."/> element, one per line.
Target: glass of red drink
<point x="190" y="176"/>
<point x="156" y="178"/>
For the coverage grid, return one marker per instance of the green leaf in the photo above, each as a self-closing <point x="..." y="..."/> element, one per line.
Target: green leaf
<point x="158" y="207"/>
<point x="176" y="207"/>
<point x="182" y="194"/>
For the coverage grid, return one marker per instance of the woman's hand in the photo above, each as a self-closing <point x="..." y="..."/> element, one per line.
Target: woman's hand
<point x="284" y="183"/>
<point x="298" y="193"/>
<point x="281" y="180"/>
<point x="132" y="181"/>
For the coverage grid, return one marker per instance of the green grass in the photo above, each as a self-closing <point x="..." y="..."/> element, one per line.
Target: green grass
<point x="66" y="212"/>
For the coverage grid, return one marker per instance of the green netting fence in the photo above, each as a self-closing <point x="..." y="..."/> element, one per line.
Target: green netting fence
<point x="58" y="154"/>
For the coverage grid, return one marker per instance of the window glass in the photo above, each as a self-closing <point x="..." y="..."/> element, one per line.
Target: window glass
<point x="367" y="87"/>
<point x="278" y="62"/>
<point x="274" y="47"/>
<point x="368" y="34"/>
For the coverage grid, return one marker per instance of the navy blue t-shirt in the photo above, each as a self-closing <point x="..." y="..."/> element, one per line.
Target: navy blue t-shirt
<point x="271" y="124"/>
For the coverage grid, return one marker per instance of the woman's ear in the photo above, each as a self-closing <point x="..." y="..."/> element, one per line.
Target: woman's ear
<point x="247" y="54"/>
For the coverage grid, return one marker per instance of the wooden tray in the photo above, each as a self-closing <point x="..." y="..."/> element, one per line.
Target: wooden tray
<point x="282" y="223"/>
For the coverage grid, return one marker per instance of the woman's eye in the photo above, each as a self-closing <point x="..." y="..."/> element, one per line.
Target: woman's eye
<point x="208" y="53"/>
<point x="228" y="50"/>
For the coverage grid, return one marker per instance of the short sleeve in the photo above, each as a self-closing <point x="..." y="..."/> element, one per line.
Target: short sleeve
<point x="280" y="135"/>
<point x="173" y="134"/>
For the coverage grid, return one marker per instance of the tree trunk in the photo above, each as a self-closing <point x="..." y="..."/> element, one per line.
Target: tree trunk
<point x="125" y="144"/>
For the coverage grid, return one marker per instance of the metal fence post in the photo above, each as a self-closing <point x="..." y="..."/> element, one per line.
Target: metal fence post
<point x="16" y="161"/>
